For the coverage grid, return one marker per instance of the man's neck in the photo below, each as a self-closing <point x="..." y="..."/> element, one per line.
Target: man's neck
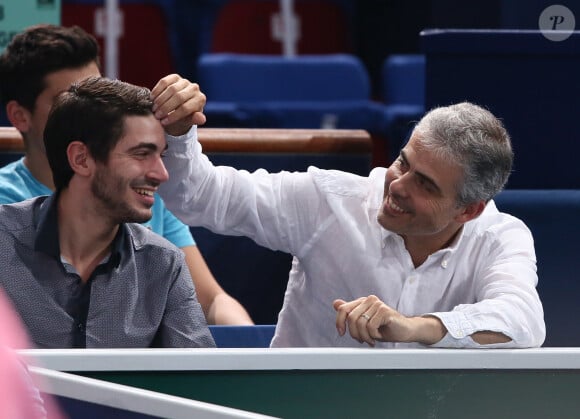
<point x="38" y="166"/>
<point x="85" y="237"/>
<point x="421" y="247"/>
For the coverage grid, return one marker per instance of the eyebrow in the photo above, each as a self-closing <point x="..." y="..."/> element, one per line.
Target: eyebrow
<point x="149" y="146"/>
<point x="423" y="176"/>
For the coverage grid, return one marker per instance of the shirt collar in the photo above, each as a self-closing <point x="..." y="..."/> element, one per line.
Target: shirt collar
<point x="47" y="240"/>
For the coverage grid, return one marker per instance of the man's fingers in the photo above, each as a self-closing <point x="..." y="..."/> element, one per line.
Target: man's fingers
<point x="199" y="118"/>
<point x="337" y="303"/>
<point x="363" y="317"/>
<point x="163" y="84"/>
<point x="341" y="315"/>
<point x="343" y="309"/>
<point x="184" y="99"/>
<point x="175" y="97"/>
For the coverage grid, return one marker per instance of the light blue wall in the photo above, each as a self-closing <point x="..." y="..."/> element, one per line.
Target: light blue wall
<point x="15" y="15"/>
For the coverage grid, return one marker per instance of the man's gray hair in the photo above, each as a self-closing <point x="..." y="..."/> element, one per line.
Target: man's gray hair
<point x="476" y="140"/>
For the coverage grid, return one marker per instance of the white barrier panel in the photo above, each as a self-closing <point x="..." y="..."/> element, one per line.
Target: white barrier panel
<point x="216" y="359"/>
<point x="131" y="399"/>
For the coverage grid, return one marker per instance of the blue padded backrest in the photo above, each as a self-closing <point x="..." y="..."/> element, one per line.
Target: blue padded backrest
<point x="403" y="79"/>
<point x="258" y="336"/>
<point x="403" y="92"/>
<point x="528" y="81"/>
<point x="242" y="78"/>
<point x="553" y="216"/>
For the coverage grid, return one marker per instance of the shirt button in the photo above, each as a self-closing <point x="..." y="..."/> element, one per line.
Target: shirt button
<point x="411" y="279"/>
<point x="80" y="327"/>
<point x="444" y="264"/>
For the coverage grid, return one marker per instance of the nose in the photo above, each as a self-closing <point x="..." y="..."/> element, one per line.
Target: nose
<point x="158" y="172"/>
<point x="398" y="184"/>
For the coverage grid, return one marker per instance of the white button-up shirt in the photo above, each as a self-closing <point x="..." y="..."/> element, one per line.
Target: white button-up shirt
<point x="485" y="281"/>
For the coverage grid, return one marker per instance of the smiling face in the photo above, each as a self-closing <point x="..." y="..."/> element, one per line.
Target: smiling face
<point x="124" y="186"/>
<point x="419" y="199"/>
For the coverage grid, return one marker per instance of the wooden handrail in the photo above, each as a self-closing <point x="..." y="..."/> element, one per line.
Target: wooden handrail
<point x="10" y="140"/>
<point x="256" y="140"/>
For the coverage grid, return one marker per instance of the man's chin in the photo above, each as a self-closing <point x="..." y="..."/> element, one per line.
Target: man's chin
<point x="392" y="224"/>
<point x="385" y="222"/>
<point x="138" y="217"/>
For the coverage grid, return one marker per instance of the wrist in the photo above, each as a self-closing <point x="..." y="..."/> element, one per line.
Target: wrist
<point x="428" y="330"/>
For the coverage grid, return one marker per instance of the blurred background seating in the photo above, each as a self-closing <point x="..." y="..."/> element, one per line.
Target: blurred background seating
<point x="146" y="53"/>
<point x="525" y="79"/>
<point x="250" y="78"/>
<point x="403" y="92"/>
<point x="179" y="32"/>
<point x="255" y="26"/>
<point x="306" y="91"/>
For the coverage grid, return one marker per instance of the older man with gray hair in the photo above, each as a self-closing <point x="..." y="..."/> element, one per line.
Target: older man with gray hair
<point x="414" y="255"/>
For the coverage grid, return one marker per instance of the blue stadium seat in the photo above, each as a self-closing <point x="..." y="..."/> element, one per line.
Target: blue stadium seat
<point x="310" y="91"/>
<point x="403" y="80"/>
<point x="258" y="336"/>
<point x="403" y="92"/>
<point x="246" y="78"/>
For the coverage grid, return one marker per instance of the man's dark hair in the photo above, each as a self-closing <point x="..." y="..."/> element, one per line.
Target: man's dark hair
<point x="93" y="112"/>
<point x="37" y="52"/>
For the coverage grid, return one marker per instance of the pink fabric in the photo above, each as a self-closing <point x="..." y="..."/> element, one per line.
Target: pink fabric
<point x="17" y="390"/>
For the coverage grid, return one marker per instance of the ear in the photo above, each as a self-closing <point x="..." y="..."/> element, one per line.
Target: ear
<point x="18" y="115"/>
<point x="470" y="212"/>
<point x="79" y="158"/>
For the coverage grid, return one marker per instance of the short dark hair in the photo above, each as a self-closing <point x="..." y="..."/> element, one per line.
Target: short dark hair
<point x="38" y="51"/>
<point x="92" y="111"/>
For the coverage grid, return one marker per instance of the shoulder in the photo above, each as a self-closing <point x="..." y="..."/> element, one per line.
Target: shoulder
<point x="146" y="240"/>
<point x="353" y="193"/>
<point x="337" y="182"/>
<point x="499" y="227"/>
<point x="14" y="184"/>
<point x="19" y="215"/>
<point x="11" y="171"/>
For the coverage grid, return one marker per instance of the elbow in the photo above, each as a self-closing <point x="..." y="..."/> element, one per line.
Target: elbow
<point x="531" y="337"/>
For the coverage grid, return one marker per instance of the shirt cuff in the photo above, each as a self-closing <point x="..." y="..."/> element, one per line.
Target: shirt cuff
<point x="449" y="341"/>
<point x="456" y="322"/>
<point x="181" y="143"/>
<point x="458" y="333"/>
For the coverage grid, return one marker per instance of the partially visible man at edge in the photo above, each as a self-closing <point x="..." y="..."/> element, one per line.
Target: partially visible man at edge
<point x="35" y="67"/>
